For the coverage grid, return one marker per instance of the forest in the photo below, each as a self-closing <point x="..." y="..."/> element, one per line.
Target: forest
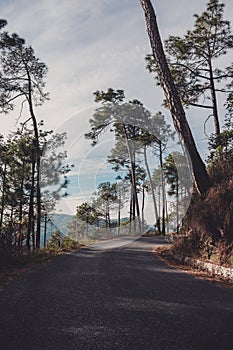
<point x="190" y="197"/>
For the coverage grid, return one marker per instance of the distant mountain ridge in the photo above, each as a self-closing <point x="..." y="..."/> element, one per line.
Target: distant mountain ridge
<point x="56" y="222"/>
<point x="60" y="222"/>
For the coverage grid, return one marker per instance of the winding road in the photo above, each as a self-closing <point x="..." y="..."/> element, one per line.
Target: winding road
<point x="114" y="295"/>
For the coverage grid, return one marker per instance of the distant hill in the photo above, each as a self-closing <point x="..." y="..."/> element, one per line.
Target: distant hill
<point x="60" y="221"/>
<point x="56" y="221"/>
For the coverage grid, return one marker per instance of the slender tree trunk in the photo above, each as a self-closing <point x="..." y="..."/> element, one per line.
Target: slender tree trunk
<point x="143" y="207"/>
<point x="152" y="191"/>
<point x="130" y="209"/>
<point x="136" y="200"/>
<point x="30" y="229"/>
<point x="21" y="204"/>
<point x="109" y="219"/>
<point x="38" y="160"/>
<point x="200" y="174"/>
<point x="177" y="206"/>
<point x="13" y="230"/>
<point x="214" y="99"/>
<point x="38" y="199"/>
<point x="3" y="197"/>
<point x="119" y="215"/>
<point x="132" y="173"/>
<point x="159" y="201"/>
<point x="163" y="190"/>
<point x="45" y="230"/>
<point x="167" y="218"/>
<point x="134" y="211"/>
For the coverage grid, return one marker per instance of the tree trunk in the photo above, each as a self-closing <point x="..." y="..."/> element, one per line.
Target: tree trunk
<point x="21" y="204"/>
<point x="136" y="208"/>
<point x="200" y="174"/>
<point x="214" y="100"/>
<point x="38" y="160"/>
<point x="177" y="206"/>
<point x="133" y="178"/>
<point x="143" y="207"/>
<point x="163" y="190"/>
<point x="109" y="219"/>
<point x="119" y="215"/>
<point x="159" y="202"/>
<point x="130" y="210"/>
<point x="3" y="197"/>
<point x="45" y="230"/>
<point x="30" y="229"/>
<point x="38" y="200"/>
<point x="153" y="191"/>
<point x="167" y="218"/>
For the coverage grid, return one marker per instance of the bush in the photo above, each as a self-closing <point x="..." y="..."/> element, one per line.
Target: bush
<point x="69" y="243"/>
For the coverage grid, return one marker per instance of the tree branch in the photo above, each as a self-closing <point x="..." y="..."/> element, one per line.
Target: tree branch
<point x="21" y="110"/>
<point x="191" y="70"/>
<point x="211" y="115"/>
<point x="201" y="106"/>
<point x="13" y="98"/>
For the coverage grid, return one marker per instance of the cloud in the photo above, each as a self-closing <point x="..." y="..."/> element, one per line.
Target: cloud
<point x="95" y="44"/>
<point x="86" y="48"/>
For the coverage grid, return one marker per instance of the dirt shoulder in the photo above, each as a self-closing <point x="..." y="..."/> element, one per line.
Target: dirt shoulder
<point x="187" y="265"/>
<point x="25" y="263"/>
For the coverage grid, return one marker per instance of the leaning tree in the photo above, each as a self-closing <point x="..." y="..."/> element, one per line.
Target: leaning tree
<point x="193" y="60"/>
<point x="199" y="171"/>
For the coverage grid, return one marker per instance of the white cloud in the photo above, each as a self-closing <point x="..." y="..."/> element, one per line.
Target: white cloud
<point x="95" y="44"/>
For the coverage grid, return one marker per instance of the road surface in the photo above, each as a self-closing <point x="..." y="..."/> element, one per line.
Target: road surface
<point x="114" y="296"/>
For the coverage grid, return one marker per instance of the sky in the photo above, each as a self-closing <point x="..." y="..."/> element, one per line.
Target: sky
<point x="91" y="45"/>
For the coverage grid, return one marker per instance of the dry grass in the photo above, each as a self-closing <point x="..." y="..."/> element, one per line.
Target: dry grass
<point x="165" y="254"/>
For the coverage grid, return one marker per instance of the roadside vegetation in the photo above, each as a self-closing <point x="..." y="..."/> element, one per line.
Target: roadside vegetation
<point x="190" y="75"/>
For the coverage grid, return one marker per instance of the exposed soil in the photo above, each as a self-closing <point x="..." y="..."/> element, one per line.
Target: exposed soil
<point x="164" y="254"/>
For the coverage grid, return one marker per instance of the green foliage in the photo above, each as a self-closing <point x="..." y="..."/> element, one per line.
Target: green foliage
<point x="177" y="173"/>
<point x="171" y="174"/>
<point x="22" y="73"/>
<point x="136" y="130"/>
<point x="69" y="243"/>
<point x="88" y="213"/>
<point x="22" y="78"/>
<point x="192" y="60"/>
<point x="220" y="160"/>
<point x="16" y="159"/>
<point x="29" y="158"/>
<point x="110" y="96"/>
<point x="231" y="260"/>
<point x="56" y="240"/>
<point x="107" y="191"/>
<point x="106" y="198"/>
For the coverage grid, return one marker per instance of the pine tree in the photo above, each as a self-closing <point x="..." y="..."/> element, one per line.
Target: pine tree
<point x="22" y="78"/>
<point x="200" y="174"/>
<point x="193" y="60"/>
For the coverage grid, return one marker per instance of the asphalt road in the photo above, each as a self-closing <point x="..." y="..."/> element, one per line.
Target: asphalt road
<point x="109" y="296"/>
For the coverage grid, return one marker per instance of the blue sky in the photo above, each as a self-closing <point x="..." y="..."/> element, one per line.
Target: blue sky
<point x="96" y="44"/>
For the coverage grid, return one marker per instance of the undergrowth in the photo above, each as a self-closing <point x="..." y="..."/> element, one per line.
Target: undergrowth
<point x="18" y="260"/>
